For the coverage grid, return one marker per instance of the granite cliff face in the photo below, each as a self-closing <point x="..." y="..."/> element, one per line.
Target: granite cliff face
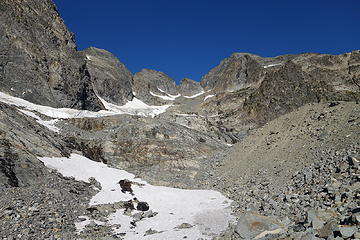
<point x="109" y="77"/>
<point x="38" y="59"/>
<point x="264" y="88"/>
<point x="240" y="70"/>
<point x="303" y="107"/>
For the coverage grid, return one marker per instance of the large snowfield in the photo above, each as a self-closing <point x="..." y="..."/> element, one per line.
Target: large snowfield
<point x="134" y="107"/>
<point x="205" y="212"/>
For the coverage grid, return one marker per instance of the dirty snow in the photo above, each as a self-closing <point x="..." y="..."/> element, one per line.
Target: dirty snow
<point x="207" y="211"/>
<point x="134" y="107"/>
<point x="50" y="124"/>
<point x="196" y="95"/>
<point x="208" y="96"/>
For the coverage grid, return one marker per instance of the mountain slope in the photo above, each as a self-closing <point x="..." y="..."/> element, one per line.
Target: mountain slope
<point x="270" y="133"/>
<point x="38" y="59"/>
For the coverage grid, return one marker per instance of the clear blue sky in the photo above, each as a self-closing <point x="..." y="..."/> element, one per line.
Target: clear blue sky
<point x="186" y="38"/>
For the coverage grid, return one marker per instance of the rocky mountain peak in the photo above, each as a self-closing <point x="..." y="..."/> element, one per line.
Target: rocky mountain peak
<point x="38" y="58"/>
<point x="148" y="83"/>
<point x="111" y="78"/>
<point x="238" y="71"/>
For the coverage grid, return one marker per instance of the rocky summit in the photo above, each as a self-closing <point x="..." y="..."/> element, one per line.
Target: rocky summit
<point x="261" y="148"/>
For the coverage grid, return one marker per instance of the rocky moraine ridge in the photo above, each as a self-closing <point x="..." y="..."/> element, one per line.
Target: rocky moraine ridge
<point x="89" y="150"/>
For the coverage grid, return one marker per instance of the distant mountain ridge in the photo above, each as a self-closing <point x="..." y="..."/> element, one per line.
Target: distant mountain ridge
<point x="40" y="63"/>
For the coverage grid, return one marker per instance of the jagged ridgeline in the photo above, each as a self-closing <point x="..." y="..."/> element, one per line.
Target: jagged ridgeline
<point x="252" y="128"/>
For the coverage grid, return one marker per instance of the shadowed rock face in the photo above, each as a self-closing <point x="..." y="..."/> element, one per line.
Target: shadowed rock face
<point x="38" y="58"/>
<point x="22" y="140"/>
<point x="110" y="78"/>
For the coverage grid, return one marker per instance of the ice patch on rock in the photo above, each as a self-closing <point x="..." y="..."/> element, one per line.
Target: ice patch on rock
<point x="208" y="96"/>
<point x="195" y="95"/>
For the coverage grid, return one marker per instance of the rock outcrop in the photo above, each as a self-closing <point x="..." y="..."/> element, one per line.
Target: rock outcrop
<point x="38" y="57"/>
<point x="239" y="71"/>
<point x="261" y="89"/>
<point x="110" y="78"/>
<point x="189" y="87"/>
<point x="148" y="85"/>
<point x="22" y="141"/>
<point x="155" y="149"/>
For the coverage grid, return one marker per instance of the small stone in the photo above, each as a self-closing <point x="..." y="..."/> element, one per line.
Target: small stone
<point x="299" y="228"/>
<point x="143" y="206"/>
<point x="92" y="224"/>
<point x="314" y="220"/>
<point x="356" y="217"/>
<point x="137" y="216"/>
<point x="327" y="229"/>
<point x="125" y="185"/>
<point x="150" y="232"/>
<point x="347" y="231"/>
<point x="149" y="214"/>
<point x="353" y="161"/>
<point x="184" y="225"/>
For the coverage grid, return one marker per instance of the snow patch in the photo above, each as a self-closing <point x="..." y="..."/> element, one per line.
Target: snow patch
<point x="134" y="107"/>
<point x="161" y="90"/>
<point x="196" y="95"/>
<point x="208" y="96"/>
<point x="272" y="65"/>
<point x="208" y="212"/>
<point x="169" y="95"/>
<point x="163" y="97"/>
<point x="50" y="124"/>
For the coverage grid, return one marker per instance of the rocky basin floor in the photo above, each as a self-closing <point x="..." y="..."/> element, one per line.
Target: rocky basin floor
<point x="45" y="211"/>
<point x="320" y="202"/>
